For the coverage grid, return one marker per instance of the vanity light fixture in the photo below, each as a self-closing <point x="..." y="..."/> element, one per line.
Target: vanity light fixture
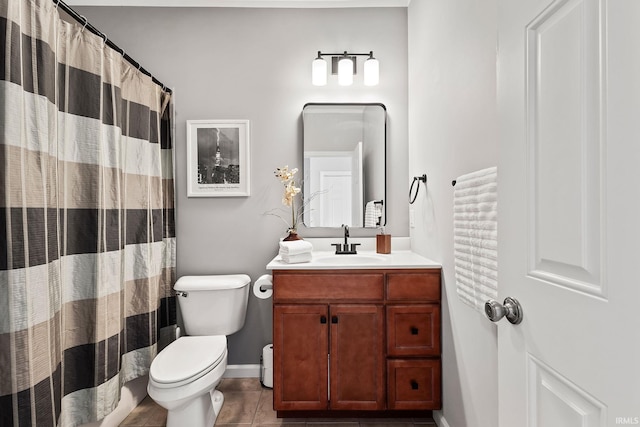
<point x="345" y="70"/>
<point x="344" y="65"/>
<point x="371" y="71"/>
<point x="319" y="71"/>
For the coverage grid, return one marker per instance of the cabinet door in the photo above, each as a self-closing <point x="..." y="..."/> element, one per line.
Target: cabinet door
<point x="357" y="357"/>
<point x="300" y="349"/>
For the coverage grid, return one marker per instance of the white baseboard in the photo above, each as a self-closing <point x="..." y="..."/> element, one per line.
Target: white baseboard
<point x="242" y="371"/>
<point x="439" y="419"/>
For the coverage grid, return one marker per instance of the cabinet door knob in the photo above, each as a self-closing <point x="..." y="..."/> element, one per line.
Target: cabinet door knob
<point x="414" y="330"/>
<point x="323" y="319"/>
<point x="414" y="385"/>
<point x="334" y="319"/>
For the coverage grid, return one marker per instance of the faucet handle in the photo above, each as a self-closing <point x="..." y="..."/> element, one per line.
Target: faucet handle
<point x="338" y="247"/>
<point x="353" y="247"/>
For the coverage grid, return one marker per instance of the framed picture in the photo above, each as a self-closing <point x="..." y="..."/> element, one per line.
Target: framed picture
<point x="218" y="158"/>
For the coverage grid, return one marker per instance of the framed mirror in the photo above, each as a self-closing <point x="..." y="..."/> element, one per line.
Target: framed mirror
<point x="344" y="148"/>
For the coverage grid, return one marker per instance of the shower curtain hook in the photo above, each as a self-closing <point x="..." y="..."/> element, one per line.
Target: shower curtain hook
<point x="104" y="39"/>
<point x="57" y="3"/>
<point x="86" y="22"/>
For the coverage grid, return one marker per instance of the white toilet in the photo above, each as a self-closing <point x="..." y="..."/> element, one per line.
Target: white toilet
<point x="183" y="376"/>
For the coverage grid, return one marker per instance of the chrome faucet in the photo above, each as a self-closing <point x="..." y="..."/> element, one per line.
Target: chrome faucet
<point x="345" y="248"/>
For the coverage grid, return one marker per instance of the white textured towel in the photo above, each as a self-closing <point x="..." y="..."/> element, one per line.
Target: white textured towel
<point x="372" y="214"/>
<point x="294" y="247"/>
<point x="294" y="259"/>
<point x="475" y="234"/>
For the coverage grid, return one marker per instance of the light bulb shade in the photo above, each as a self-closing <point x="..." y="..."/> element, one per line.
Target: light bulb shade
<point x="345" y="72"/>
<point x="371" y="72"/>
<point x="319" y="72"/>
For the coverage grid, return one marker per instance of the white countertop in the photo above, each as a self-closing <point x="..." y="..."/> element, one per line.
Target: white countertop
<point x="364" y="259"/>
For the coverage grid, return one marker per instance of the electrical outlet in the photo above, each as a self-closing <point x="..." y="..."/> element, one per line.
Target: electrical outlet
<point x="412" y="218"/>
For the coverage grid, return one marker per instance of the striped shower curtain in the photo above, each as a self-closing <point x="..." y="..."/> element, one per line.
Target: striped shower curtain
<point x="87" y="246"/>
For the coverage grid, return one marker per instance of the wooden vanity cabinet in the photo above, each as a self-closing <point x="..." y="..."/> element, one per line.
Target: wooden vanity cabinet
<point x="366" y="340"/>
<point x="328" y="351"/>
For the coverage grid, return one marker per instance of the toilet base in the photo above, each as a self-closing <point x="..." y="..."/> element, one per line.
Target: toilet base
<point x="196" y="404"/>
<point x="217" y="399"/>
<point x="201" y="411"/>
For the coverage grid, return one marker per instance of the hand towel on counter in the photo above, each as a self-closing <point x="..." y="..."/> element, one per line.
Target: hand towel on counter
<point x="475" y="231"/>
<point x="294" y="247"/>
<point x="295" y="251"/>
<point x="294" y="259"/>
<point x="372" y="214"/>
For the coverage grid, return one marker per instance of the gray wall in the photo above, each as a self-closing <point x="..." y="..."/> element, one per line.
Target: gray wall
<point x="228" y="63"/>
<point x="453" y="131"/>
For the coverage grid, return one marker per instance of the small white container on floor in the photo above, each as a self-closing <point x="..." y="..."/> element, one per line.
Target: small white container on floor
<point x="266" y="370"/>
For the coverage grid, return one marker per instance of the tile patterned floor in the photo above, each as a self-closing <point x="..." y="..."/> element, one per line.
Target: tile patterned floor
<point x="247" y="403"/>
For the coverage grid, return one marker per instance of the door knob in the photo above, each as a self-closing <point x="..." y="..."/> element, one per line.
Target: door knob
<point x="511" y="309"/>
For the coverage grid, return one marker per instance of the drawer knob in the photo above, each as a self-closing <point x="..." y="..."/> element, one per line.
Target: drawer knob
<point x="334" y="319"/>
<point x="323" y="319"/>
<point x="414" y="330"/>
<point x="414" y="385"/>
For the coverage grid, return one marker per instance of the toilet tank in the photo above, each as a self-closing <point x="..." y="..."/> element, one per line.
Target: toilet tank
<point x="213" y="305"/>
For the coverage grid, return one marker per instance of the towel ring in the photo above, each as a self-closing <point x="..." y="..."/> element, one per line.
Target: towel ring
<point x="417" y="179"/>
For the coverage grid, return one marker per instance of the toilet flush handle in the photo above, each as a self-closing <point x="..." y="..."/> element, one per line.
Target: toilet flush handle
<point x="182" y="294"/>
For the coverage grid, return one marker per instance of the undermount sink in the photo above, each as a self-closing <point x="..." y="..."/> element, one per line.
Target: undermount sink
<point x="351" y="259"/>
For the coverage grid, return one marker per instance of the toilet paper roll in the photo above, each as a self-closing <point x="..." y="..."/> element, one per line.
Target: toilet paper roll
<point x="267" y="366"/>
<point x="264" y="281"/>
<point x="267" y="356"/>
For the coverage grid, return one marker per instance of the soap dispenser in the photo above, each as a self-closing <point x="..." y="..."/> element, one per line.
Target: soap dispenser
<point x="383" y="242"/>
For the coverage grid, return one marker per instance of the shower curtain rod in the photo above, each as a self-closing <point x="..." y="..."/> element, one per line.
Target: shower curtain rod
<point x="82" y="20"/>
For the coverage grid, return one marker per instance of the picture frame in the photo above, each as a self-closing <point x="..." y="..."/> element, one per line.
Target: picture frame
<point x="218" y="158"/>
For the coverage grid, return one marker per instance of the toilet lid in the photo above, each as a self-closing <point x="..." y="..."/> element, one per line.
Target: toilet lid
<point x="187" y="359"/>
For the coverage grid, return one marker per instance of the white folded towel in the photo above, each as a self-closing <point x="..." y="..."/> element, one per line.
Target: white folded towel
<point x="294" y="247"/>
<point x="294" y="259"/>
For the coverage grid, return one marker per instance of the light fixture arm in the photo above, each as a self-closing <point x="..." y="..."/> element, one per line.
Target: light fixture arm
<point x="345" y="53"/>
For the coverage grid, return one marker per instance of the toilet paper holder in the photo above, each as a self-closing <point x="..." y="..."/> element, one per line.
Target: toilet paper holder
<point x="265" y="287"/>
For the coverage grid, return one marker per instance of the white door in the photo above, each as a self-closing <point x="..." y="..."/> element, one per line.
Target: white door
<point x="335" y="204"/>
<point x="569" y="217"/>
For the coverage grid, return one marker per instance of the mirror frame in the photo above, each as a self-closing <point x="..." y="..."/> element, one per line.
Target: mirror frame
<point x="356" y="104"/>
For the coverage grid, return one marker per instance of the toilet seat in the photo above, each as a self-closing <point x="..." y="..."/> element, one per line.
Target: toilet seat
<point x="187" y="359"/>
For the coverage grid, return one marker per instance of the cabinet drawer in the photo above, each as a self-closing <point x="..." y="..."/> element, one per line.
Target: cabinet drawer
<point x="328" y="287"/>
<point x="414" y="384"/>
<point x="423" y="286"/>
<point x="413" y="330"/>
